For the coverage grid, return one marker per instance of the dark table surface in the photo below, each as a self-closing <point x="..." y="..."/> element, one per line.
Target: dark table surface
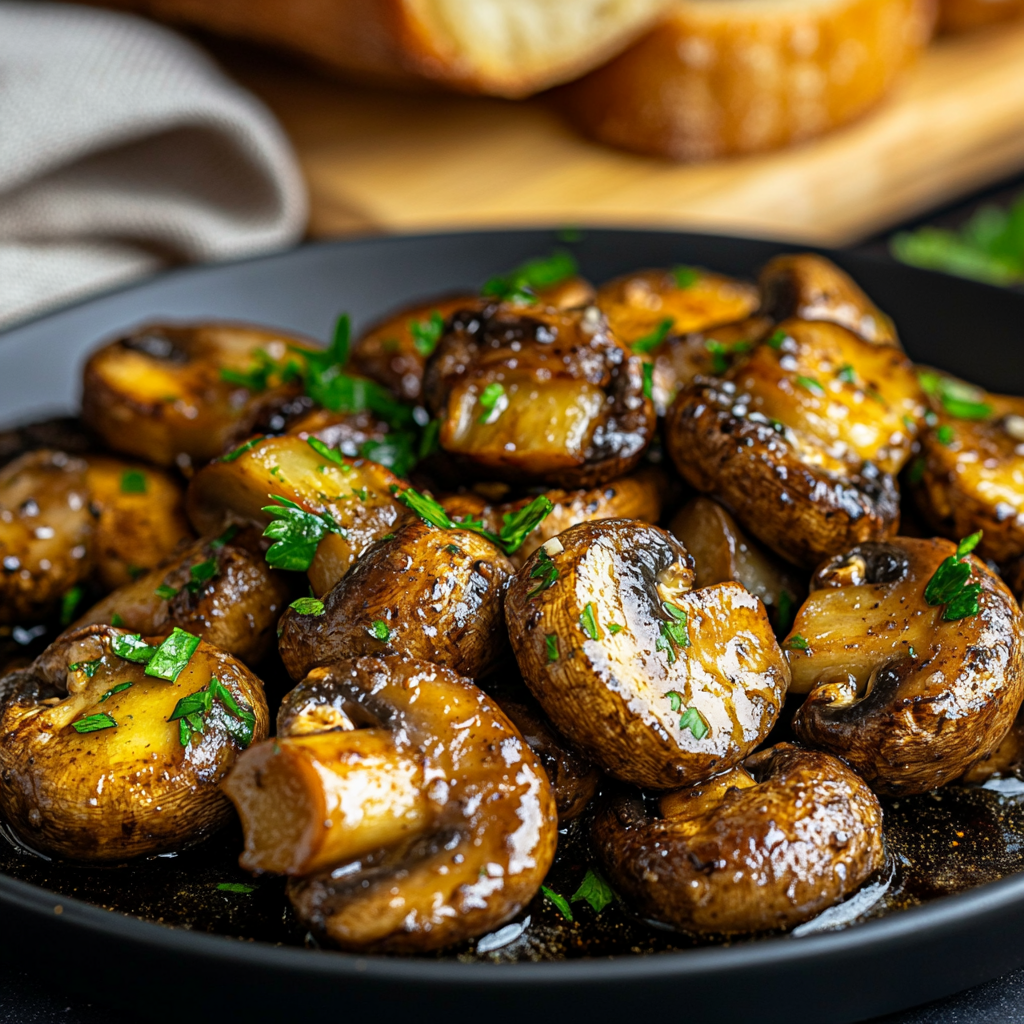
<point x="24" y="999"/>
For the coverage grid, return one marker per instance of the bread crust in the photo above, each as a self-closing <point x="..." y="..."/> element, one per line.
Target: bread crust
<point x="726" y="77"/>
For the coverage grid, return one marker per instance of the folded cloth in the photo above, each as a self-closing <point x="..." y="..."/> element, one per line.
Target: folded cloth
<point x="123" y="149"/>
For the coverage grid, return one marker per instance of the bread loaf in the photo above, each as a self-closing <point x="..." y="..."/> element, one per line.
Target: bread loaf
<point x="723" y="77"/>
<point x="964" y="15"/>
<point x="500" y="47"/>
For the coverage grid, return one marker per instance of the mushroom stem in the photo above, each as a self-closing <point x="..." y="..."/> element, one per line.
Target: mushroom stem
<point x="308" y="803"/>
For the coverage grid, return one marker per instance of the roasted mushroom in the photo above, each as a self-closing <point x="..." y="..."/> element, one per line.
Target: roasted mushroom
<point x="166" y="391"/>
<point x="911" y="655"/>
<point x="533" y="394"/>
<point x="429" y="593"/>
<point x="970" y="474"/>
<point x="432" y="823"/>
<point x="217" y="589"/>
<point x="810" y="287"/>
<point x="646" y="306"/>
<point x="333" y="508"/>
<point x="802" y="439"/>
<point x="112" y="747"/>
<point x="763" y="846"/>
<point x="721" y="551"/>
<point x="46" y="533"/>
<point x="140" y="518"/>
<point x="659" y="684"/>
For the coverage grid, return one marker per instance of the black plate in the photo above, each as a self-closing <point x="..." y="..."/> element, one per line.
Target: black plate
<point x="869" y="969"/>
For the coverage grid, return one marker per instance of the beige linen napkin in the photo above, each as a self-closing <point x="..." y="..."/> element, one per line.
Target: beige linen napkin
<point x="123" y="149"/>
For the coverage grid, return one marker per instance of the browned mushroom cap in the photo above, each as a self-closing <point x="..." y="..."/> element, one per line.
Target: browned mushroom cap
<point x="802" y="438"/>
<point x="721" y="552"/>
<point x="970" y="475"/>
<point x="1006" y="760"/>
<point x="460" y="822"/>
<point x="215" y="589"/>
<point x="93" y="765"/>
<point x="356" y="495"/>
<point x="46" y="532"/>
<point x="660" y="684"/>
<point x="428" y="593"/>
<point x="533" y="394"/>
<point x="760" y="847"/>
<point x="637" y="496"/>
<point x="680" y="300"/>
<point x="161" y="391"/>
<point x="811" y="287"/>
<point x="908" y="698"/>
<point x="140" y="518"/>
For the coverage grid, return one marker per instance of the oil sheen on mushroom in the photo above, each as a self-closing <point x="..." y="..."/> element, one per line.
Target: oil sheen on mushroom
<point x="658" y="683"/>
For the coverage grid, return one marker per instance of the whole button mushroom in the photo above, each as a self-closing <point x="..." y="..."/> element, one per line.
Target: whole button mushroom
<point x="658" y="683"/>
<point x="910" y="653"/>
<point x="430" y="823"/>
<point x="765" y="845"/>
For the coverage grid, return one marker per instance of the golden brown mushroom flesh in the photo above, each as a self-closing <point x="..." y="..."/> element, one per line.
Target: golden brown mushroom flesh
<point x="810" y="287"/>
<point x="803" y="438"/>
<point x="216" y="589"/>
<point x="140" y="518"/>
<point x="46" y="533"/>
<point x="354" y="495"/>
<point x="658" y="683"/>
<point x="970" y="474"/>
<point x="123" y="783"/>
<point x="764" y="846"/>
<point x="907" y="698"/>
<point x="530" y="393"/>
<point x="637" y="496"/>
<point x="430" y="824"/>
<point x="721" y="551"/>
<point x="166" y="391"/>
<point x="429" y="593"/>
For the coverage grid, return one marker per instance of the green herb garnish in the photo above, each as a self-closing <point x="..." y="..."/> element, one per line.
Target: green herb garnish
<point x="960" y="400"/>
<point x="651" y="341"/>
<point x="784" y="610"/>
<point x="719" y="356"/>
<point x="694" y="721"/>
<point x="165" y="592"/>
<point x="296" y="533"/>
<point x="491" y="400"/>
<point x="133" y="481"/>
<point x="559" y="901"/>
<point x="116" y="620"/>
<point x="523" y="283"/>
<point x="395" y="452"/>
<point x="588" y="622"/>
<point x="648" y="372"/>
<point x="132" y="647"/>
<point x="551" y="642"/>
<point x="88" y="667"/>
<point x="545" y="570"/>
<point x="798" y="643"/>
<point x="191" y="712"/>
<point x="119" y="688"/>
<point x="846" y="374"/>
<point x="675" y="700"/>
<point x="686" y="277"/>
<point x="916" y="471"/>
<point x="238" y="452"/>
<point x="614" y="627"/>
<point x="200" y="575"/>
<point x="810" y="384"/>
<point x="69" y="604"/>
<point x="945" y="434"/>
<point x="94" y="723"/>
<point x="427" y="333"/>
<point x="379" y="631"/>
<point x="776" y="339"/>
<point x="171" y="657"/>
<point x="949" y="585"/>
<point x="673" y="633"/>
<point x="239" y="887"/>
<point x="225" y="538"/>
<point x="595" y="890"/>
<point x="308" y="606"/>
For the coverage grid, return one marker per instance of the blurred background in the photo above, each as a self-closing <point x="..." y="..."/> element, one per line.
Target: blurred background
<point x="250" y="125"/>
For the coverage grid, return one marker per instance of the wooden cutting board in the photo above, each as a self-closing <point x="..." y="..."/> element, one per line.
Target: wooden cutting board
<point x="386" y="161"/>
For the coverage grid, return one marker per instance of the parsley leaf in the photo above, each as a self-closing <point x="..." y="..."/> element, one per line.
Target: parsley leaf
<point x="776" y="339"/>
<point x="201" y="574"/>
<point x="165" y="592"/>
<point x="238" y="452"/>
<point x="551" y="642"/>
<point x="517" y="526"/>
<point x="719" y="356"/>
<point x="395" y="451"/>
<point x="694" y="721"/>
<point x="675" y="700"/>
<point x="493" y="400"/>
<point x="595" y="890"/>
<point x="191" y="712"/>
<point x="798" y="643"/>
<point x="651" y="341"/>
<point x="945" y="435"/>
<point x="132" y="648"/>
<point x="545" y="570"/>
<point x="94" y="723"/>
<point x="960" y="400"/>
<point x="296" y="533"/>
<point x="810" y="384"/>
<point x="88" y="667"/>
<point x="686" y="277"/>
<point x="648" y="370"/>
<point x="522" y="283"/>
<point x="614" y="627"/>
<point x="784" y="611"/>
<point x="380" y="631"/>
<point x="119" y="688"/>
<point x="171" y="657"/>
<point x="225" y="538"/>
<point x="427" y="333"/>
<point x="673" y="633"/>
<point x="846" y="374"/>
<point x="559" y="901"/>
<point x="331" y="454"/>
<point x="588" y="622"/>
<point x="239" y="887"/>
<point x="308" y="606"/>
<point x="116" y="620"/>
<point x="69" y="604"/>
<point x="133" y="481"/>
<point x="949" y="585"/>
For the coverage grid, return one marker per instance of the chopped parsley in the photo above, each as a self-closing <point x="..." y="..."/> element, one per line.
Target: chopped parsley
<point x="960" y="400"/>
<point x="810" y="384"/>
<point x="846" y="374"/>
<point x="588" y="621"/>
<point x="648" y="371"/>
<point x="675" y="700"/>
<point x="551" y="642"/>
<point x="69" y="604"/>
<point x="88" y="667"/>
<point x="784" y="610"/>
<point x="119" y="688"/>
<point x="133" y="481"/>
<point x="331" y="454"/>
<point x="395" y="451"/>
<point x="916" y="471"/>
<point x="594" y="890"/>
<point x="614" y="627"/>
<point x="94" y="723"/>
<point x="452" y="549"/>
<point x="132" y="648"/>
<point x="225" y="538"/>
<point x="673" y="633"/>
<point x="379" y="631"/>
<point x="522" y="283"/>
<point x="116" y="620"/>
<point x="719" y="356"/>
<point x="238" y="452"/>
<point x="945" y="435"/>
<point x="559" y="901"/>
<point x="308" y="606"/>
<point x="686" y="277"/>
<point x="949" y="585"/>
<point x="651" y="341"/>
<point x="545" y="570"/>
<point x="777" y="338"/>
<point x="200" y="575"/>
<point x="170" y="658"/>
<point x="694" y="721"/>
<point x="493" y="400"/>
<point x="427" y="333"/>
<point x="165" y="592"/>
<point x="296" y="534"/>
<point x="191" y="713"/>
<point x="239" y="887"/>
<point x="798" y="643"/>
